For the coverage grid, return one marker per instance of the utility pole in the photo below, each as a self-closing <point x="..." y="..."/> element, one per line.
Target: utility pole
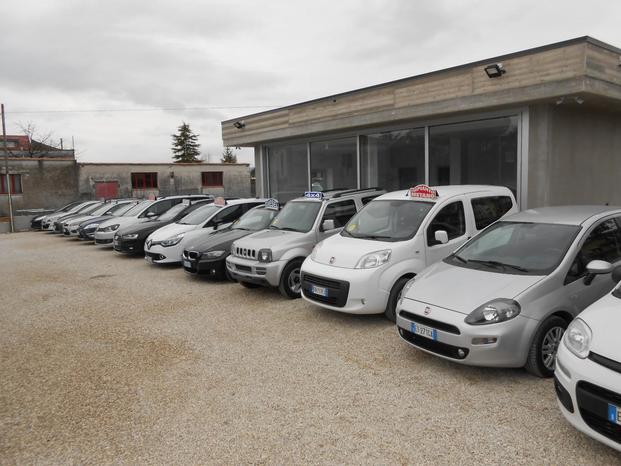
<point x="6" y="169"/>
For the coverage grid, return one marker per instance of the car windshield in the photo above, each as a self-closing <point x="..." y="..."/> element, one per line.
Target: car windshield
<point x="171" y="213"/>
<point x="255" y="220"/>
<point x="137" y="209"/>
<point x="199" y="215"/>
<point x="388" y="220"/>
<point x="517" y="248"/>
<point x="297" y="216"/>
<point x="102" y="209"/>
<point x="91" y="208"/>
<point x="120" y="209"/>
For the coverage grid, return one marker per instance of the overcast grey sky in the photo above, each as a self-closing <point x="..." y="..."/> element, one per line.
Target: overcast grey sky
<point x="82" y="56"/>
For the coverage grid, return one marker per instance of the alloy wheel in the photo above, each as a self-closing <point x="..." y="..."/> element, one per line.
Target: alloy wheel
<point x="549" y="346"/>
<point x="294" y="281"/>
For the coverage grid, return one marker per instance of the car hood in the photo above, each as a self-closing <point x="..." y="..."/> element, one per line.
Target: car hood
<point x="170" y="230"/>
<point x="143" y="229"/>
<point x="345" y="252"/>
<point x="218" y="240"/>
<point x="463" y="290"/>
<point x="601" y="317"/>
<point x="278" y="241"/>
<point x="121" y="221"/>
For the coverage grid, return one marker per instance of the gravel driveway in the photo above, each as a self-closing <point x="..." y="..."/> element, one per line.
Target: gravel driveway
<point x="105" y="358"/>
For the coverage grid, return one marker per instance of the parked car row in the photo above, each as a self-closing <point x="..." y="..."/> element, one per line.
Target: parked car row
<point x="463" y="274"/>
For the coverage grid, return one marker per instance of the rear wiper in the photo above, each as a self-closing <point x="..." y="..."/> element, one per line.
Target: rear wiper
<point x="500" y="264"/>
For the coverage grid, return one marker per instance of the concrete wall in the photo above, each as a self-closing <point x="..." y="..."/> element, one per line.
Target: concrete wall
<point x="574" y="155"/>
<point x="172" y="178"/>
<point x="46" y="183"/>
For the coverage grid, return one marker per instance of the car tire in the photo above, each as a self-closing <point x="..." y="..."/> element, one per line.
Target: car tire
<point x="291" y="280"/>
<point x="544" y="346"/>
<point x="391" y="305"/>
<point x="249" y="285"/>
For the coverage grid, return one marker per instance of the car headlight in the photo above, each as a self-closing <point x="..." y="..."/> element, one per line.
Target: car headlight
<point x="374" y="259"/>
<point x="578" y="338"/>
<point x="265" y="255"/>
<point x="130" y="236"/>
<point x="214" y="254"/>
<point x="172" y="241"/>
<point x="92" y="226"/>
<point x="110" y="228"/>
<point x="493" y="312"/>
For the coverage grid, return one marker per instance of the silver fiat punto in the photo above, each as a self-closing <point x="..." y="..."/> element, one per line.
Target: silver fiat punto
<point x="505" y="297"/>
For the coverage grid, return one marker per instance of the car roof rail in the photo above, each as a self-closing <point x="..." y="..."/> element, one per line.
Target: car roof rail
<point x="350" y="192"/>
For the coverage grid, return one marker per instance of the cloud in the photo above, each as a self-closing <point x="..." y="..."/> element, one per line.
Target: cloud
<point x="89" y="54"/>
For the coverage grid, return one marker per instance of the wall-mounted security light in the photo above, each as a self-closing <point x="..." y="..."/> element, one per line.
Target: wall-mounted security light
<point x="495" y="71"/>
<point x="239" y="124"/>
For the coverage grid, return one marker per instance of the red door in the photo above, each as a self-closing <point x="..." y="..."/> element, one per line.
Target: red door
<point x="107" y="189"/>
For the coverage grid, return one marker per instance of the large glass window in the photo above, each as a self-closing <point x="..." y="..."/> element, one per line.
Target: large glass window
<point x="288" y="171"/>
<point x="477" y="152"/>
<point x="334" y="164"/>
<point x="393" y="159"/>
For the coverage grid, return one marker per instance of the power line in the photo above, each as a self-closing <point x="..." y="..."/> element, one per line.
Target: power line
<point x="150" y="109"/>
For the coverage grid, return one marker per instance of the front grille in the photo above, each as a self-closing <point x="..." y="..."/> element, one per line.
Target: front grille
<point x="244" y="252"/>
<point x="434" y="346"/>
<point x="338" y="290"/>
<point x="563" y="396"/>
<point x="593" y="404"/>
<point x="603" y="361"/>
<point x="103" y="241"/>
<point x="430" y="322"/>
<point x="243" y="268"/>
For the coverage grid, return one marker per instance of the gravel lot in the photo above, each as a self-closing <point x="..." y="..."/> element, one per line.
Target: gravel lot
<point x="105" y="358"/>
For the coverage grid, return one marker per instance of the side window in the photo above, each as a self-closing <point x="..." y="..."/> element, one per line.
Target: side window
<point x="489" y="209"/>
<point x="450" y="219"/>
<point x="228" y="214"/>
<point x="249" y="206"/>
<point x="603" y="243"/>
<point x="366" y="200"/>
<point x="158" y="208"/>
<point x="340" y="212"/>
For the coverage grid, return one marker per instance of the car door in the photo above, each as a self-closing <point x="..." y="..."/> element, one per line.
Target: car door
<point x="452" y="219"/>
<point x="340" y="212"/>
<point x="603" y="242"/>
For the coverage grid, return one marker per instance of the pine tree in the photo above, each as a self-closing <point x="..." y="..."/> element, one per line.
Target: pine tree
<point x="228" y="156"/>
<point x="185" y="145"/>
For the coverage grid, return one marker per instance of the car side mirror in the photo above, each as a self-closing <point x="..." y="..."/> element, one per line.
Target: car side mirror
<point x="441" y="236"/>
<point x="597" y="267"/>
<point x="616" y="274"/>
<point x="328" y="224"/>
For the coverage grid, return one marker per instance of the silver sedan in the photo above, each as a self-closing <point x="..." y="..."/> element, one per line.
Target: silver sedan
<point x="505" y="298"/>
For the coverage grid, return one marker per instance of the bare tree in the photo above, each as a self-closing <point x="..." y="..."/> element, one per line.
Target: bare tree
<point x="39" y="144"/>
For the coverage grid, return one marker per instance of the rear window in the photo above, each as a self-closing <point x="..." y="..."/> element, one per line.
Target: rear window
<point x="489" y="209"/>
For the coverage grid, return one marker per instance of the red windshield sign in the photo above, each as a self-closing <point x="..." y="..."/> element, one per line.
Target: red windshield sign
<point x="424" y="191"/>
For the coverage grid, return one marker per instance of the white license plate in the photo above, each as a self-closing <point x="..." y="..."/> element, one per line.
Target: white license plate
<point x="614" y="414"/>
<point x="424" y="331"/>
<point x="319" y="290"/>
<point x="148" y="259"/>
<point x="187" y="264"/>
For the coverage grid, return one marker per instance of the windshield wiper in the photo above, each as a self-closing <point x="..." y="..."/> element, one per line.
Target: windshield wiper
<point x="459" y="258"/>
<point x="374" y="237"/>
<point x="289" y="229"/>
<point x="500" y="264"/>
<point x="273" y="227"/>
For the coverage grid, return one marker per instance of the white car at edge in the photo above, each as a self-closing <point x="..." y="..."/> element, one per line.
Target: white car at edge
<point x="588" y="369"/>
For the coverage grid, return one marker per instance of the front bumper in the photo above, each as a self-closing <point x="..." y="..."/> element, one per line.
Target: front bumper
<point x="210" y="267"/>
<point x="128" y="246"/>
<point x="354" y="291"/>
<point x="452" y="337"/>
<point x="104" y="238"/>
<point x="158" y="254"/>
<point x="590" y="387"/>
<point x="252" y="271"/>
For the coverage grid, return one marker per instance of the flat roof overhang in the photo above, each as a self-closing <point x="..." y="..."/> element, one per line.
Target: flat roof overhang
<point x="582" y="67"/>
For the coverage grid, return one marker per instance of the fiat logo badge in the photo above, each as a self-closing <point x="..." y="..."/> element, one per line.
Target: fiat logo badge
<point x="332" y="260"/>
<point x="427" y="311"/>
